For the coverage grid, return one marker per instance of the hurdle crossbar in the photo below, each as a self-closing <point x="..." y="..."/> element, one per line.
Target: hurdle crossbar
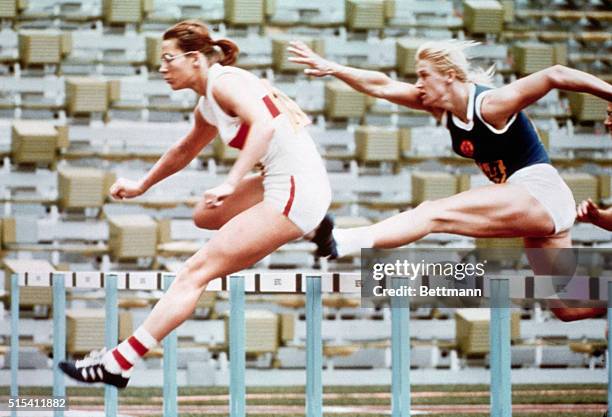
<point x="538" y="287"/>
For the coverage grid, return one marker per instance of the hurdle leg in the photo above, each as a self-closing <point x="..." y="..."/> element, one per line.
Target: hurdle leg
<point x="111" y="337"/>
<point x="237" y="329"/>
<point x="609" y="348"/>
<point x="59" y="337"/>
<point x="14" y="338"/>
<point x="314" y="348"/>
<point x="170" y="351"/>
<point x="499" y="337"/>
<point x="400" y="355"/>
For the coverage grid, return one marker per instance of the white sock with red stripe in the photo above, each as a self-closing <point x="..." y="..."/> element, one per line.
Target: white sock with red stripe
<point x="121" y="359"/>
<point x="351" y="241"/>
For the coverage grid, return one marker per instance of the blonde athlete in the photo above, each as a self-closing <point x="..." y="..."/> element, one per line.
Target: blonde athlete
<point x="255" y="214"/>
<point x="527" y="199"/>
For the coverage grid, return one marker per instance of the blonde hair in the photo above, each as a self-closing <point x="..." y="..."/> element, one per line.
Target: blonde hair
<point x="449" y="55"/>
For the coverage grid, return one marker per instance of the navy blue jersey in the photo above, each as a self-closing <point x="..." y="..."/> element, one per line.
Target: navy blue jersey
<point x="498" y="153"/>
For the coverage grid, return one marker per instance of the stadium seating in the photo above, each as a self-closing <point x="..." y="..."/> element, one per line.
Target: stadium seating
<point x="85" y="73"/>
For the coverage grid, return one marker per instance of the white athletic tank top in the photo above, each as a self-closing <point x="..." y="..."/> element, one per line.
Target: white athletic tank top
<point x="289" y="152"/>
<point x="231" y="129"/>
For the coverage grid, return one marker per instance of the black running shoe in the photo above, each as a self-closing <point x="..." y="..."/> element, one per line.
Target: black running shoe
<point x="324" y="239"/>
<point x="91" y="370"/>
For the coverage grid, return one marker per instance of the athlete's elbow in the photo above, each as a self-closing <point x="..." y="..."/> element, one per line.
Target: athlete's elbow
<point x="557" y="76"/>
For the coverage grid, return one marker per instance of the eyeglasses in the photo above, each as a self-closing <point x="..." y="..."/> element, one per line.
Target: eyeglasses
<point x="168" y="57"/>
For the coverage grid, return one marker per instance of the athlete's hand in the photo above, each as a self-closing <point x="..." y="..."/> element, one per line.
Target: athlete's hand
<point x="588" y="212"/>
<point x="319" y="66"/>
<point x="124" y="188"/>
<point x="215" y="196"/>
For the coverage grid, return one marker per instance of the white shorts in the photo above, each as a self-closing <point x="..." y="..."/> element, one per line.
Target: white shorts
<point x="295" y="180"/>
<point x="545" y="184"/>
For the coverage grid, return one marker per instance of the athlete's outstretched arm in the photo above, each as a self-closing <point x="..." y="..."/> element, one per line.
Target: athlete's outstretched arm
<point x="372" y="83"/>
<point x="500" y="104"/>
<point x="173" y="160"/>
<point x="233" y="93"/>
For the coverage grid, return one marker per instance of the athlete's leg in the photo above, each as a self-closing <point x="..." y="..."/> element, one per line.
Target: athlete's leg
<point x="249" y="192"/>
<point x="242" y="241"/>
<point x="500" y="210"/>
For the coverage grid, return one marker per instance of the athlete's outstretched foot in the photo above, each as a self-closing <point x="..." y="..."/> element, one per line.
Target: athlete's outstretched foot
<point x="326" y="244"/>
<point x="91" y="369"/>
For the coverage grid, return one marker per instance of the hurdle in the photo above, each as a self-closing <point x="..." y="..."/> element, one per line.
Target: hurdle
<point x="313" y="285"/>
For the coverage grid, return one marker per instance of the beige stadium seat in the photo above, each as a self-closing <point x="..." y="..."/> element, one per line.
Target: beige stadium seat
<point x="341" y="101"/>
<point x="85" y="95"/>
<point x="586" y="107"/>
<point x="244" y="12"/>
<point x="34" y="142"/>
<point x="432" y="186"/>
<point x="122" y="11"/>
<point x="406" y="49"/>
<point x="132" y="236"/>
<point x="582" y="185"/>
<point x="364" y="15"/>
<point x="81" y="187"/>
<point x="376" y="144"/>
<point x="483" y="16"/>
<point x="83" y="329"/>
<point x="280" y="56"/>
<point x="532" y="57"/>
<point x="39" y="47"/>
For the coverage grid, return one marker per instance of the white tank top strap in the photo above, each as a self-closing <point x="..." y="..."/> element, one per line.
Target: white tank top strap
<point x="224" y="120"/>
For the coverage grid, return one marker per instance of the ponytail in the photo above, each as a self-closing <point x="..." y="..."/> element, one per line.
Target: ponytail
<point x="229" y="51"/>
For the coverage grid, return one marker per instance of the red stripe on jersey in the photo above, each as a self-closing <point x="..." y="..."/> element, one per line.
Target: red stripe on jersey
<point x="243" y="130"/>
<point x="240" y="138"/>
<point x="123" y="363"/>
<point x="137" y="346"/>
<point x="271" y="106"/>
<point x="291" y="196"/>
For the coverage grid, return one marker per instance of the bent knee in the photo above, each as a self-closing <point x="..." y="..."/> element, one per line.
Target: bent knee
<point x="194" y="274"/>
<point x="208" y="263"/>
<point x="204" y="219"/>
